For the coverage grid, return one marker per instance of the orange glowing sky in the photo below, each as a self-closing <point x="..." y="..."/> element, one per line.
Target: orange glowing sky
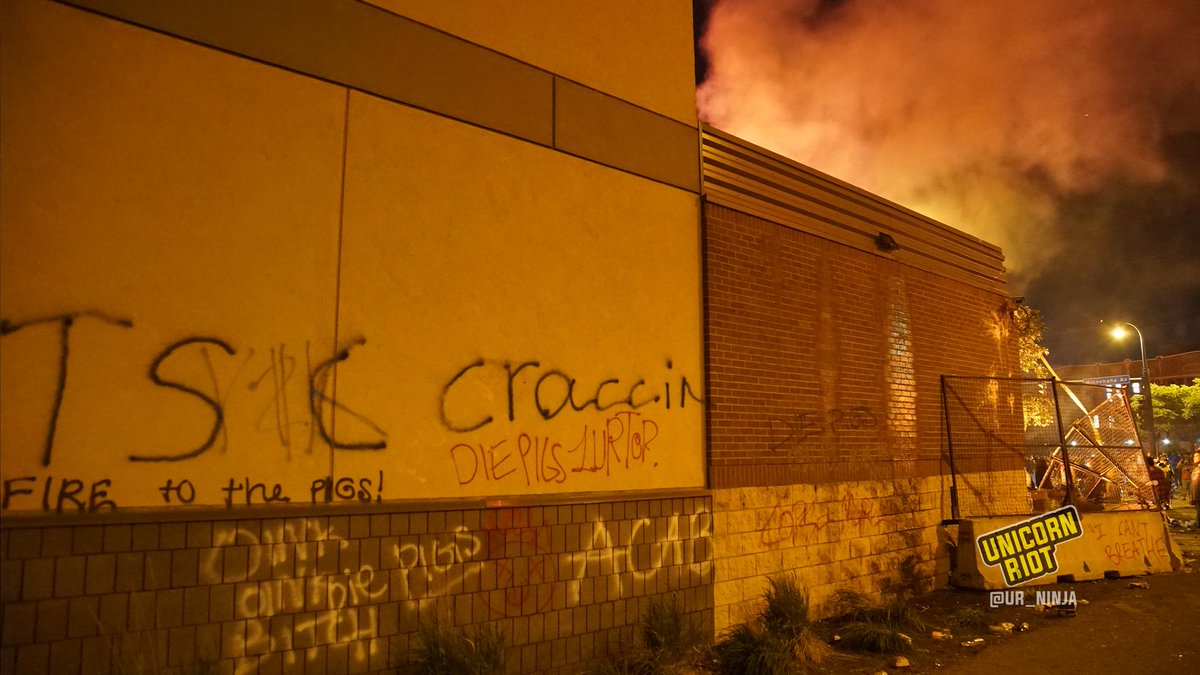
<point x="1004" y="119"/>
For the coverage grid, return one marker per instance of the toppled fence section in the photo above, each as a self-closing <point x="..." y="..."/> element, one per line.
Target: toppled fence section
<point x="1078" y="445"/>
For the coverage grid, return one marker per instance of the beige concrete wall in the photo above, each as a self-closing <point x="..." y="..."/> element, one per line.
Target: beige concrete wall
<point x="158" y="192"/>
<point x="492" y="256"/>
<point x="621" y="97"/>
<point x="225" y="282"/>
<point x="637" y="50"/>
<point x="871" y="536"/>
<point x="867" y="536"/>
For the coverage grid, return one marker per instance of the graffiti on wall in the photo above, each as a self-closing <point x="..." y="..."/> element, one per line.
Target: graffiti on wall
<point x="65" y="495"/>
<point x="621" y="441"/>
<point x="1132" y="540"/>
<point x="796" y="522"/>
<point x="331" y="588"/>
<point x="281" y="368"/>
<point x="316" y="582"/>
<point x="804" y="428"/>
<point x="282" y="400"/>
<point x="552" y="393"/>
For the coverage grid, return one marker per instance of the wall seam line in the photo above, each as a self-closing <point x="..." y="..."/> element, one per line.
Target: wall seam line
<point x="337" y="291"/>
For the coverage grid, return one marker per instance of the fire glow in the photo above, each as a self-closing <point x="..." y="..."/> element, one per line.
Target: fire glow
<point x="985" y="116"/>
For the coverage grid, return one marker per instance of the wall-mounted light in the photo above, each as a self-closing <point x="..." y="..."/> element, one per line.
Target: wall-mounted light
<point x="885" y="242"/>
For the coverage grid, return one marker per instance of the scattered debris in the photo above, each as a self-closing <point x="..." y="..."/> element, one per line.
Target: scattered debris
<point x="1082" y="602"/>
<point x="902" y="662"/>
<point x="977" y="642"/>
<point x="943" y="634"/>
<point x="1005" y="628"/>
<point x="1063" y="609"/>
<point x="1022" y="627"/>
<point x="1139" y="584"/>
<point x="904" y="637"/>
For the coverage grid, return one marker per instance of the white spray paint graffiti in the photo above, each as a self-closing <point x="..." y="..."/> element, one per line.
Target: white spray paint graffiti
<point x="332" y="587"/>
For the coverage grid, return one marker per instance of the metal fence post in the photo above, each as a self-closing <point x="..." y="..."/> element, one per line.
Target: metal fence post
<point x="1062" y="444"/>
<point x="950" y="452"/>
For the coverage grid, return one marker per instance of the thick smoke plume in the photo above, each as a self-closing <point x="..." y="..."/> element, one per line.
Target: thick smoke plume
<point x="991" y="117"/>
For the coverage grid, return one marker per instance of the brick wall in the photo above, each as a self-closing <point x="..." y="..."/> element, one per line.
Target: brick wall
<point x="346" y="593"/>
<point x="824" y="361"/>
<point x="826" y="436"/>
<point x="874" y="536"/>
<point x="860" y="535"/>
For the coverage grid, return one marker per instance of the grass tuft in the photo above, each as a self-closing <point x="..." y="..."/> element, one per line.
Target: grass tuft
<point x="444" y="651"/>
<point x="786" y="611"/>
<point x="671" y="644"/>
<point x="898" y="614"/>
<point x="751" y="648"/>
<point x="668" y="634"/>
<point x="866" y="636"/>
<point x="853" y="606"/>
<point x="970" y="617"/>
<point x="778" y="641"/>
<point x="809" y="648"/>
<point x="610" y="667"/>
<point x="850" y="605"/>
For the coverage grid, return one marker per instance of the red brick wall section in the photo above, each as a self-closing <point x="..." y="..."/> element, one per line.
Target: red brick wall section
<point x="824" y="361"/>
<point x="346" y="593"/>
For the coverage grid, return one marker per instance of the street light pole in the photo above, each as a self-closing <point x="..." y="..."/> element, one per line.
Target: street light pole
<point x="1149" y="411"/>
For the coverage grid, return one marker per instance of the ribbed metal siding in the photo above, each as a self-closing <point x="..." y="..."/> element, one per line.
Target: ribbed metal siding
<point x="745" y="177"/>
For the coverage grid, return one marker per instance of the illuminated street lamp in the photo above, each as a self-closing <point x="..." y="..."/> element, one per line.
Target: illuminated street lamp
<point x="1120" y="333"/>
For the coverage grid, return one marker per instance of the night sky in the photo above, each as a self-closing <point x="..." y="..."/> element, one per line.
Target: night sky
<point x="1067" y="132"/>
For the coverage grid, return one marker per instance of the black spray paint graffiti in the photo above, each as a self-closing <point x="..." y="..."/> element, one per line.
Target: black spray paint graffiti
<point x="802" y="427"/>
<point x="65" y="322"/>
<point x="317" y="382"/>
<point x="248" y="492"/>
<point x="72" y="494"/>
<point x="70" y="491"/>
<point x="320" y="403"/>
<point x="218" y="413"/>
<point x="526" y="384"/>
<point x="553" y="391"/>
<point x="279" y="373"/>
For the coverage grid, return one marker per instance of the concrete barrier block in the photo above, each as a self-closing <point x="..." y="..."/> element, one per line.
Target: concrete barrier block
<point x="1115" y="543"/>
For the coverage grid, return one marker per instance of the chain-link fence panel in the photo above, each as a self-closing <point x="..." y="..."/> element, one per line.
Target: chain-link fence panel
<point x="1027" y="445"/>
<point x="1103" y="449"/>
<point x="990" y="450"/>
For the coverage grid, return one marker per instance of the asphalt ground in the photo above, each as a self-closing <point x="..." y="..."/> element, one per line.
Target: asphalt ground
<point x="1119" y="627"/>
<point x="1122" y="629"/>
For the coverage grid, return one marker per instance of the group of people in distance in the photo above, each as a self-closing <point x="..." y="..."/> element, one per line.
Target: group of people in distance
<point x="1173" y="472"/>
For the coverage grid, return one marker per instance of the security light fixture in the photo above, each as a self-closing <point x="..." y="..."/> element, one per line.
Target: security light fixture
<point x="885" y="242"/>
